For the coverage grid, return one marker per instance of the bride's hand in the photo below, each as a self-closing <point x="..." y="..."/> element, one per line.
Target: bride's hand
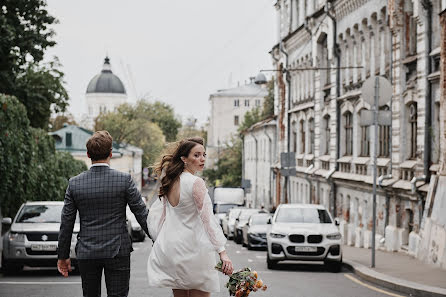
<point x="226" y="267"/>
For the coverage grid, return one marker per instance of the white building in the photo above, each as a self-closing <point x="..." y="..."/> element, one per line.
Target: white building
<point x="259" y="156"/>
<point x="104" y="93"/>
<point x="321" y="45"/>
<point x="228" y="108"/>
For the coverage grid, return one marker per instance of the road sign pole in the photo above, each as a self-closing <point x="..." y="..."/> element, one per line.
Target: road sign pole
<point x="375" y="145"/>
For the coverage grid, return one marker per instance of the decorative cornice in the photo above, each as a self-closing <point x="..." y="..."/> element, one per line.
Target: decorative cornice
<point x="345" y="7"/>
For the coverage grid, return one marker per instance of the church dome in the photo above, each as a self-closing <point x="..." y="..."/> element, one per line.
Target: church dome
<point x="106" y="81"/>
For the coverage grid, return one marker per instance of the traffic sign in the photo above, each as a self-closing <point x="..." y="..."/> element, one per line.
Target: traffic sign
<point x="384" y="93"/>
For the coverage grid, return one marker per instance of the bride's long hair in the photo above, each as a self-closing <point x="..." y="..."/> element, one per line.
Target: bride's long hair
<point x="171" y="166"/>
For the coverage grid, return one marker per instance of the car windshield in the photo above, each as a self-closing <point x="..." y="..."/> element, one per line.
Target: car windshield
<point x="244" y="215"/>
<point x="224" y="208"/>
<point x="259" y="220"/>
<point x="234" y="213"/>
<point x="303" y="215"/>
<point x="41" y="214"/>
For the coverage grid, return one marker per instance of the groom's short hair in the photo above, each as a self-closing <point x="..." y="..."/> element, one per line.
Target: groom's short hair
<point x="99" y="145"/>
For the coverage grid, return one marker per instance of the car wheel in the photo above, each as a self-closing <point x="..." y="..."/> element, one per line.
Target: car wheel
<point x="271" y="264"/>
<point x="334" y="266"/>
<point x="248" y="246"/>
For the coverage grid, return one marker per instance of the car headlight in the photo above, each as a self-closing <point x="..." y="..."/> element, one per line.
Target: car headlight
<point x="276" y="235"/>
<point x="74" y="237"/>
<point x="14" y="236"/>
<point x="334" y="236"/>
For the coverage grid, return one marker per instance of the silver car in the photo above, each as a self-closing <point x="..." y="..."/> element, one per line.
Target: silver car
<point x="229" y="222"/>
<point x="254" y="232"/>
<point x="304" y="232"/>
<point x="33" y="236"/>
<point x="241" y="220"/>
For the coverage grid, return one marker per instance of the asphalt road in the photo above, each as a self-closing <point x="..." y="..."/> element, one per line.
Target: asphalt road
<point x="289" y="280"/>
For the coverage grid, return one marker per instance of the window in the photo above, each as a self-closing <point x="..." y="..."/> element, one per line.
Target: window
<point x="247" y="103"/>
<point x="384" y="139"/>
<point x="68" y="139"/>
<point x="348" y="128"/>
<point x="302" y="137"/>
<point x="294" y="140"/>
<point x="413" y="130"/>
<point x="236" y="121"/>
<point x="236" y="103"/>
<point x="365" y="140"/>
<point x="327" y="134"/>
<point x="311" y="131"/>
<point x="257" y="102"/>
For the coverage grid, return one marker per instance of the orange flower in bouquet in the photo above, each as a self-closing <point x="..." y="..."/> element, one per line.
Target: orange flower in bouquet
<point x="242" y="282"/>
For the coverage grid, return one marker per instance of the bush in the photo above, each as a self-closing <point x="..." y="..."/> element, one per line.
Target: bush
<point x="30" y="167"/>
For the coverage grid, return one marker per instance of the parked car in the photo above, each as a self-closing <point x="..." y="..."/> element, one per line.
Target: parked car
<point x="33" y="236"/>
<point x="133" y="227"/>
<point x="254" y="232"/>
<point x="241" y="220"/>
<point x="226" y="198"/>
<point x="228" y="221"/>
<point x="304" y="232"/>
<point x="221" y="210"/>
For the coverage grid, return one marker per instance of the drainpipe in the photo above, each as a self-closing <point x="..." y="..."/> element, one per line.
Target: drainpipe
<point x="427" y="5"/>
<point x="257" y="161"/>
<point x="336" y="54"/>
<point x="287" y="78"/>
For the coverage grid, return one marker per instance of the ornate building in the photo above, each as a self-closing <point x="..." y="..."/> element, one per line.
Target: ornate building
<point x="326" y="50"/>
<point x="104" y="93"/>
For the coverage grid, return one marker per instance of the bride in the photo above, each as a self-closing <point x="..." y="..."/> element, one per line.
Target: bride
<point x="184" y="253"/>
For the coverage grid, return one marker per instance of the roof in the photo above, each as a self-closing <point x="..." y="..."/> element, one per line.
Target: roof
<point x="300" y="205"/>
<point x="106" y="81"/>
<point x="44" y="202"/>
<point x="79" y="137"/>
<point x="248" y="90"/>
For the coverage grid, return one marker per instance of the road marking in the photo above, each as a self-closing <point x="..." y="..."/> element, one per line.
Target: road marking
<point x="370" y="286"/>
<point x="260" y="257"/>
<point x="250" y="260"/>
<point x="237" y="252"/>
<point x="40" y="283"/>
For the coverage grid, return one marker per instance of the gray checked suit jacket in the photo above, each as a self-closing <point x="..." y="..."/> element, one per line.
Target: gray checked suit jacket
<point x="100" y="195"/>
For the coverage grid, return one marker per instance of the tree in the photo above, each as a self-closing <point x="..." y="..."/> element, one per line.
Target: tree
<point x="61" y="119"/>
<point x="25" y="30"/>
<point x="190" y="129"/>
<point x="162" y="114"/>
<point x="128" y="125"/>
<point x="251" y="117"/>
<point x="268" y="103"/>
<point x="229" y="166"/>
<point x="30" y="167"/>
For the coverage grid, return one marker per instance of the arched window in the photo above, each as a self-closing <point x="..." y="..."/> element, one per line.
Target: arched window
<point x="365" y="140"/>
<point x="413" y="130"/>
<point x="311" y="131"/>
<point x="302" y="136"/>
<point x="327" y="134"/>
<point x="384" y="138"/>
<point x="294" y="137"/>
<point x="348" y="130"/>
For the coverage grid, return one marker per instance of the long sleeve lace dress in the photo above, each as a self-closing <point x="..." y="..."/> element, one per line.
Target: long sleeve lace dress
<point x="184" y="253"/>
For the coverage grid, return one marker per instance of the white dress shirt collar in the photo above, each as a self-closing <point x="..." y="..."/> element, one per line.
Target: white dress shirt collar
<point x="100" y="164"/>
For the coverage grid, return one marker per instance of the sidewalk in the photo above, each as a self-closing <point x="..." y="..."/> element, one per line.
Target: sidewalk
<point x="396" y="271"/>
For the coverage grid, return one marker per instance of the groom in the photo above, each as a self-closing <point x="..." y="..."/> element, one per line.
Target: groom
<point x="100" y="195"/>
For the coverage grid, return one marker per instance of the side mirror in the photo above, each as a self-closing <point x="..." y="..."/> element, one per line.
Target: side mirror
<point x="269" y="222"/>
<point x="6" y="221"/>
<point x="337" y="222"/>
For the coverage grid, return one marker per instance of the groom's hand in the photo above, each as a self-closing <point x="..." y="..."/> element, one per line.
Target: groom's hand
<point x="64" y="266"/>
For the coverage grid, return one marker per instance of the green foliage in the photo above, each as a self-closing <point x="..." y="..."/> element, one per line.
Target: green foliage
<point x="58" y="122"/>
<point x="25" y="30"/>
<point x="161" y="114"/>
<point x="268" y="103"/>
<point x="228" y="172"/>
<point x="190" y="129"/>
<point x="129" y="125"/>
<point x="251" y="117"/>
<point x="31" y="168"/>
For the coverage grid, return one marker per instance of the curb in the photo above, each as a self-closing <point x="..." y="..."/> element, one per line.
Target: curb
<point x="393" y="283"/>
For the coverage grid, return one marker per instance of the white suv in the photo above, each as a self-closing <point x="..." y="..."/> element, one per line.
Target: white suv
<point x="304" y="232"/>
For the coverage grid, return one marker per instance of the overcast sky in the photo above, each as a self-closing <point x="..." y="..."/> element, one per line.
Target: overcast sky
<point x="175" y="51"/>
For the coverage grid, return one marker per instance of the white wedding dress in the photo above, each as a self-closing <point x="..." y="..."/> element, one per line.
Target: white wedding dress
<point x="185" y="252"/>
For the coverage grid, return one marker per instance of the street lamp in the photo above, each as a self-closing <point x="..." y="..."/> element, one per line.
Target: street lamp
<point x="260" y="79"/>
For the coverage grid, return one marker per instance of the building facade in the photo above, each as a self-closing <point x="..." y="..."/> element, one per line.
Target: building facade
<point x="324" y="53"/>
<point x="228" y="108"/>
<point x="126" y="158"/>
<point x="105" y="92"/>
<point x="259" y="156"/>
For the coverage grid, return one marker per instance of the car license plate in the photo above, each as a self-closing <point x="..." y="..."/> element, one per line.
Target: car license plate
<point x="305" y="249"/>
<point x="43" y="247"/>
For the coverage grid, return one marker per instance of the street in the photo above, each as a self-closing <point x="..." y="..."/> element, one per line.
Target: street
<point x="289" y="280"/>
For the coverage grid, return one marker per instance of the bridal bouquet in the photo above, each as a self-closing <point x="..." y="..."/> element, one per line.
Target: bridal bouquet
<point x="242" y="282"/>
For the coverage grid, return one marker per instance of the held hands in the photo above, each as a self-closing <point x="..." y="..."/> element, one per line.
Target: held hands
<point x="226" y="266"/>
<point x="64" y="266"/>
